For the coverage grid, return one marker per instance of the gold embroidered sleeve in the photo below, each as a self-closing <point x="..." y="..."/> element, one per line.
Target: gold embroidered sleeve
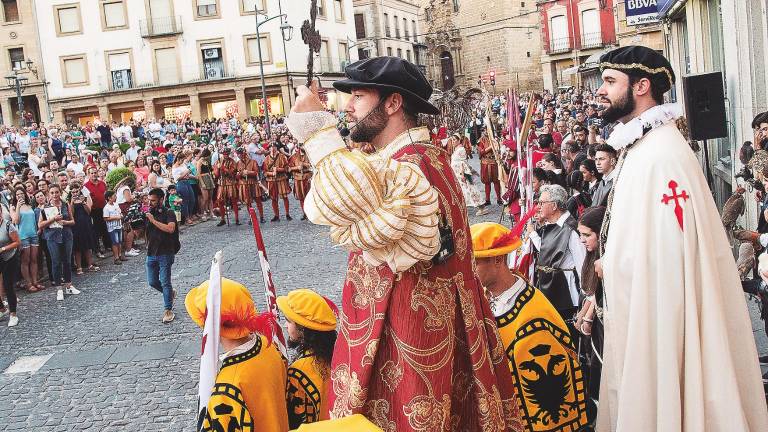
<point x="383" y="207"/>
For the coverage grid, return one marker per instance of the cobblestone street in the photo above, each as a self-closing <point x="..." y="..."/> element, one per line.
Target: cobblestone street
<point x="109" y="364"/>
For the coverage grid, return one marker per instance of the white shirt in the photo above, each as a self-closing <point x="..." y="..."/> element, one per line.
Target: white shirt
<point x="132" y="153"/>
<point x="76" y="167"/>
<point x="503" y="303"/>
<point x="22" y="141"/>
<point x="574" y="257"/>
<point x="112" y="210"/>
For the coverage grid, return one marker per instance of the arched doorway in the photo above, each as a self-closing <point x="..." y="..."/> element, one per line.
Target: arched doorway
<point x="446" y="70"/>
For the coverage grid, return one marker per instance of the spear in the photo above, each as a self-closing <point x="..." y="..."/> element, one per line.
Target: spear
<point x="278" y="338"/>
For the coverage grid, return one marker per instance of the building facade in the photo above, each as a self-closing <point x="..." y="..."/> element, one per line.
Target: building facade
<point x="389" y="28"/>
<point x="471" y="43"/>
<point x="19" y="44"/>
<point x="574" y="35"/>
<point x="650" y="35"/>
<point x="122" y="59"/>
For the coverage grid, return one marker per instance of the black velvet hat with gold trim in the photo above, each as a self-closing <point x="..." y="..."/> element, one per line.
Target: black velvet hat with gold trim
<point x="640" y="61"/>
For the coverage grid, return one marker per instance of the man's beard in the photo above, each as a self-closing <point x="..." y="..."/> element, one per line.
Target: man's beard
<point x="371" y="125"/>
<point x="620" y="108"/>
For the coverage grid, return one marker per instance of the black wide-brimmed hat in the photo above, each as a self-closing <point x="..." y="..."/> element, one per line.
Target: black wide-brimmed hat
<point x="390" y="73"/>
<point x="640" y="61"/>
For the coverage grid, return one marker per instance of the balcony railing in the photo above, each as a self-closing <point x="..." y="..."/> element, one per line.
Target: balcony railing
<point x="331" y="64"/>
<point x="559" y="45"/>
<point x="591" y="40"/>
<point x="162" y="26"/>
<point x="171" y="76"/>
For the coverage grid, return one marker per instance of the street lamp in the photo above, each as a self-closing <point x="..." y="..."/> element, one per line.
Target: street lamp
<point x="287" y="32"/>
<point x="33" y="69"/>
<point x="20" y="83"/>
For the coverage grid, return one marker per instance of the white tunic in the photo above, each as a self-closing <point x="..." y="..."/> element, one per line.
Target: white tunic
<point x="679" y="351"/>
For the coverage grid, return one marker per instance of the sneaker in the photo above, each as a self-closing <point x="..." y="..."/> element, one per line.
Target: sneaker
<point x="168" y="316"/>
<point x="101" y="255"/>
<point x="60" y="295"/>
<point x="72" y="290"/>
<point x="764" y="360"/>
<point x="13" y="321"/>
<point x="132" y="253"/>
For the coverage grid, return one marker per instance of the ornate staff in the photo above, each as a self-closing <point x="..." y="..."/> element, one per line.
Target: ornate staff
<point x="311" y="37"/>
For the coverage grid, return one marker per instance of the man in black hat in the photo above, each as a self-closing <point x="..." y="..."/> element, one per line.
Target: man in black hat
<point x="417" y="348"/>
<point x="679" y="352"/>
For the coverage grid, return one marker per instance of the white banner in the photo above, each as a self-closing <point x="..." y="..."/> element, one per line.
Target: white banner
<point x="209" y="357"/>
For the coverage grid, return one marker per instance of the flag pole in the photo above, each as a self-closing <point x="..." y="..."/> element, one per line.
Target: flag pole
<point x="209" y="357"/>
<point x="278" y="338"/>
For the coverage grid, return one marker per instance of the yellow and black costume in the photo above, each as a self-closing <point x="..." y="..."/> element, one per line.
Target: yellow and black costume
<point x="545" y="368"/>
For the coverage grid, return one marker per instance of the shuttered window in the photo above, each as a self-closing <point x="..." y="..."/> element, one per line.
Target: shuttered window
<point x="114" y="14"/>
<point x="253" y="50"/>
<point x="75" y="71"/>
<point x="69" y="19"/>
<point x="165" y="61"/>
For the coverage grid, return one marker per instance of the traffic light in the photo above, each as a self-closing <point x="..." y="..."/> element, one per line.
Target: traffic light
<point x="492" y="76"/>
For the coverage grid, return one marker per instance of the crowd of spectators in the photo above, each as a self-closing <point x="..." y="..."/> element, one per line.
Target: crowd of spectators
<point x="77" y="192"/>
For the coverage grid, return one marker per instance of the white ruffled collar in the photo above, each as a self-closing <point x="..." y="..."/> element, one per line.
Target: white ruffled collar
<point x="625" y="134"/>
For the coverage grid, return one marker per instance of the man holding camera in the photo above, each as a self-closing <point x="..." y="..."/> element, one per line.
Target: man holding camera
<point x="162" y="246"/>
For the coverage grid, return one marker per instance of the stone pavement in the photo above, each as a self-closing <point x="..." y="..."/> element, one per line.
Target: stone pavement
<point x="103" y="361"/>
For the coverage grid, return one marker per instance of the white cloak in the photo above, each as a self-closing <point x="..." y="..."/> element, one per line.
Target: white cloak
<point x="679" y="350"/>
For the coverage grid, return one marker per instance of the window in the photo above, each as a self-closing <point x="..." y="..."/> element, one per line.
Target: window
<point x="321" y="8"/>
<point x="397" y="28"/>
<point x="67" y="19"/>
<point x="113" y="15"/>
<point x="415" y="33"/>
<point x="120" y="70"/>
<point x="400" y="52"/>
<point x="252" y="49"/>
<point x="338" y="9"/>
<point x="360" y="26"/>
<point x="405" y="29"/>
<point x="455" y="5"/>
<point x="75" y="70"/>
<point x="389" y="51"/>
<point x="207" y="8"/>
<point x="16" y="56"/>
<point x="408" y="55"/>
<point x="559" y="39"/>
<point x="251" y="6"/>
<point x="166" y="65"/>
<point x="343" y="53"/>
<point x="213" y="61"/>
<point x="591" y="36"/>
<point x="10" y="11"/>
<point x="325" y="56"/>
<point x="386" y="26"/>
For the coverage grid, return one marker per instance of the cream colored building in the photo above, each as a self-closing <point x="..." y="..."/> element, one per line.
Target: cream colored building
<point x="123" y="59"/>
<point x="649" y="35"/>
<point x="19" y="43"/>
<point x="389" y="28"/>
<point x="468" y="40"/>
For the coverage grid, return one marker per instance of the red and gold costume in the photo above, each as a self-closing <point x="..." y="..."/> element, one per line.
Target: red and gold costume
<point x="301" y="170"/>
<point x="250" y="189"/>
<point x="225" y="171"/>
<point x="276" y="174"/>
<point x="489" y="168"/>
<point x="418" y="349"/>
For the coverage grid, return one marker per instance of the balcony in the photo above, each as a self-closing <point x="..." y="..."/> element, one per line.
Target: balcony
<point x="331" y="64"/>
<point x="209" y="72"/>
<point x="163" y="26"/>
<point x="559" y="45"/>
<point x="591" y="40"/>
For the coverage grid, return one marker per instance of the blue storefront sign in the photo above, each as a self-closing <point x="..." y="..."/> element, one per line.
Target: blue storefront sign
<point x="642" y="11"/>
<point x="665" y="6"/>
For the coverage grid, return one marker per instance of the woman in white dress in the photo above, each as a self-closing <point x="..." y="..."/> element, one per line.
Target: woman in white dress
<point x="463" y="174"/>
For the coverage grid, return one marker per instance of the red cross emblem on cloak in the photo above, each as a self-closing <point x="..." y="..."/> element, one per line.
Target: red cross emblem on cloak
<point x="676" y="197"/>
